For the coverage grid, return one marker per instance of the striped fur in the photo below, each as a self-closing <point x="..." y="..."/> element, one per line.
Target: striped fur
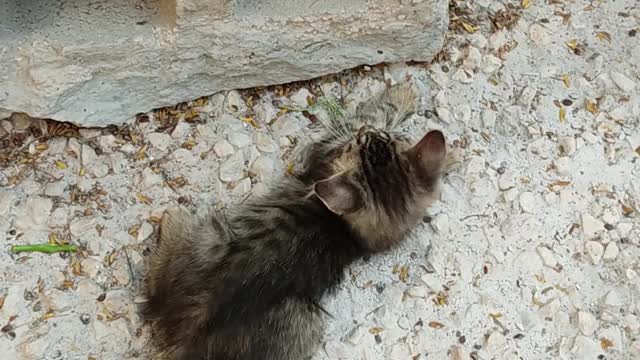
<point x="249" y="285"/>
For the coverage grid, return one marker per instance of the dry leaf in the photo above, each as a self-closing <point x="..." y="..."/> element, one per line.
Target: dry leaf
<point x="591" y="106"/>
<point x="627" y="210"/>
<point x="41" y="147"/>
<point x="469" y="28"/>
<point x="133" y="231"/>
<point x="525" y="4"/>
<point x="441" y="299"/>
<point x="562" y="113"/>
<point x="566" y="80"/>
<point x="2" y="297"/>
<point x="403" y="274"/>
<point x="376" y="330"/>
<point x="605" y="343"/>
<point x="82" y="171"/>
<point x="603" y="36"/>
<point x="436" y="325"/>
<point x="144" y="199"/>
<point x="61" y="165"/>
<point x="251" y="121"/>
<point x="572" y="44"/>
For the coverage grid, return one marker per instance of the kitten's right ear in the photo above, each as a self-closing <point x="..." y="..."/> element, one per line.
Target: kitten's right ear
<point x="429" y="153"/>
<point x="339" y="194"/>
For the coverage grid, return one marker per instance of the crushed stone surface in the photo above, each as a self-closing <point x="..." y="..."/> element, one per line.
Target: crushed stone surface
<point x="531" y="252"/>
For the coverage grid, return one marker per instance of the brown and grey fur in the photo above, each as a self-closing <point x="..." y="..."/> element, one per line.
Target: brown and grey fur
<point x="249" y="285"/>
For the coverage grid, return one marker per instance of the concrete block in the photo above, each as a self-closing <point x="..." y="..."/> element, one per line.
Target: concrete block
<point x="101" y="62"/>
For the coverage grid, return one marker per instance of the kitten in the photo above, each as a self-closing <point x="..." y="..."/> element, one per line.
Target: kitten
<point x="249" y="286"/>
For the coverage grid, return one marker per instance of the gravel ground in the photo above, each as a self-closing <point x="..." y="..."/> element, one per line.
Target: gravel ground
<point x="532" y="251"/>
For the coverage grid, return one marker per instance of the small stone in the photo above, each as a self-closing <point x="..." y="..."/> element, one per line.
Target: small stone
<point x="265" y="143"/>
<point x="526" y="96"/>
<point x="444" y="114"/>
<point x="587" y="323"/>
<point x="529" y="202"/>
<point x="57" y="145"/>
<point x="497" y="40"/>
<point x="478" y="40"/>
<point x="100" y="170"/>
<point x="589" y="137"/>
<point x="160" y="141"/>
<point x="563" y="165"/>
<point x="234" y="101"/>
<point x="144" y="231"/>
<point x="184" y="157"/>
<point x="149" y="179"/>
<point x="507" y="181"/>
<point x="88" y="155"/>
<point x="87" y="289"/>
<point x="591" y="226"/>
<point x="567" y="145"/>
<point x="398" y="351"/>
<point x="595" y="250"/>
<point x="79" y="227"/>
<point x="223" y="148"/>
<point x="107" y="143"/>
<point x="611" y="252"/>
<point x="496" y="343"/>
<point x="538" y="35"/>
<point x="459" y="353"/>
<point x="181" y="130"/>
<point x="623" y="81"/>
<point x="473" y="60"/>
<point x="263" y="168"/>
<point x="475" y="165"/>
<point x="584" y="348"/>
<point x="59" y="217"/>
<point x="55" y="189"/>
<point x="441" y="224"/>
<point x="464" y="76"/>
<point x="242" y="187"/>
<point x="491" y="64"/>
<point x="547" y="256"/>
<point x="239" y="140"/>
<point x="300" y="98"/>
<point x="232" y="169"/>
<point x="611" y="216"/>
<point x="418" y="291"/>
<point x="85" y="184"/>
<point x="488" y="118"/>
<point x="90" y="266"/>
<point x="462" y="113"/>
<point x="337" y="350"/>
<point x="85" y="318"/>
<point x="37" y="210"/>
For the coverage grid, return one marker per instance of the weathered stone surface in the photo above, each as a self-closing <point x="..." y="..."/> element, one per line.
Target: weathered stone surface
<point x="101" y="63"/>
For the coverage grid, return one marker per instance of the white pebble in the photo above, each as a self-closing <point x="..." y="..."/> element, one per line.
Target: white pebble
<point x="79" y="227"/>
<point x="507" y="181"/>
<point x="184" y="157"/>
<point x="538" y="35"/>
<point x="232" y="169"/>
<point x="547" y="256"/>
<point x="622" y="81"/>
<point x="462" y="113"/>
<point x="160" y="141"/>
<point x="181" y="130"/>
<point x="475" y="165"/>
<point x="567" y="145"/>
<point x="88" y="155"/>
<point x="149" y="179"/>
<point x="242" y="187"/>
<point x="591" y="226"/>
<point x="441" y="224"/>
<point x="587" y="323"/>
<point x="595" y="250"/>
<point x="263" y="168"/>
<point x="239" y="139"/>
<point x="300" y="98"/>
<point x="265" y="143"/>
<point x="59" y="217"/>
<point x="611" y="252"/>
<point x="444" y="114"/>
<point x="107" y="143"/>
<point x="496" y="343"/>
<point x="491" y="64"/>
<point x="55" y="188"/>
<point x="584" y="348"/>
<point x="145" y="230"/>
<point x="563" y="165"/>
<point x="529" y="202"/>
<point x="223" y="148"/>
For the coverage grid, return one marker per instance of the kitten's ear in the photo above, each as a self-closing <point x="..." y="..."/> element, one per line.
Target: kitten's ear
<point x="429" y="153"/>
<point x="339" y="194"/>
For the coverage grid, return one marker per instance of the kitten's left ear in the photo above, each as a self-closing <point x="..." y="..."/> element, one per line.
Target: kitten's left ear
<point x="339" y="194"/>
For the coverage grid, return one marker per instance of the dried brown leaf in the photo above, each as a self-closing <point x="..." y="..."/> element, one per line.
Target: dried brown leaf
<point x="376" y="330"/>
<point x="61" y="165"/>
<point x="562" y="114"/>
<point x="566" y="81"/>
<point x="605" y="344"/>
<point x="591" y="106"/>
<point x="525" y="4"/>
<point x="144" y="199"/>
<point x="603" y="36"/>
<point x="435" y="325"/>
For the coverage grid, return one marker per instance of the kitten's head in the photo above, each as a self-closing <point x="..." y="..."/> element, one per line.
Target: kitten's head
<point x="382" y="184"/>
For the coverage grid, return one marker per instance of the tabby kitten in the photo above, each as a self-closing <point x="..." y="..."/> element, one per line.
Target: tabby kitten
<point x="249" y="286"/>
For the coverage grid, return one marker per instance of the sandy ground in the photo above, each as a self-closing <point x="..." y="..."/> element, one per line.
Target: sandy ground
<point x="532" y="251"/>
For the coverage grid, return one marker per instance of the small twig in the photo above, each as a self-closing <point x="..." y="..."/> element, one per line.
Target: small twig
<point x="43" y="248"/>
<point x="474" y="215"/>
